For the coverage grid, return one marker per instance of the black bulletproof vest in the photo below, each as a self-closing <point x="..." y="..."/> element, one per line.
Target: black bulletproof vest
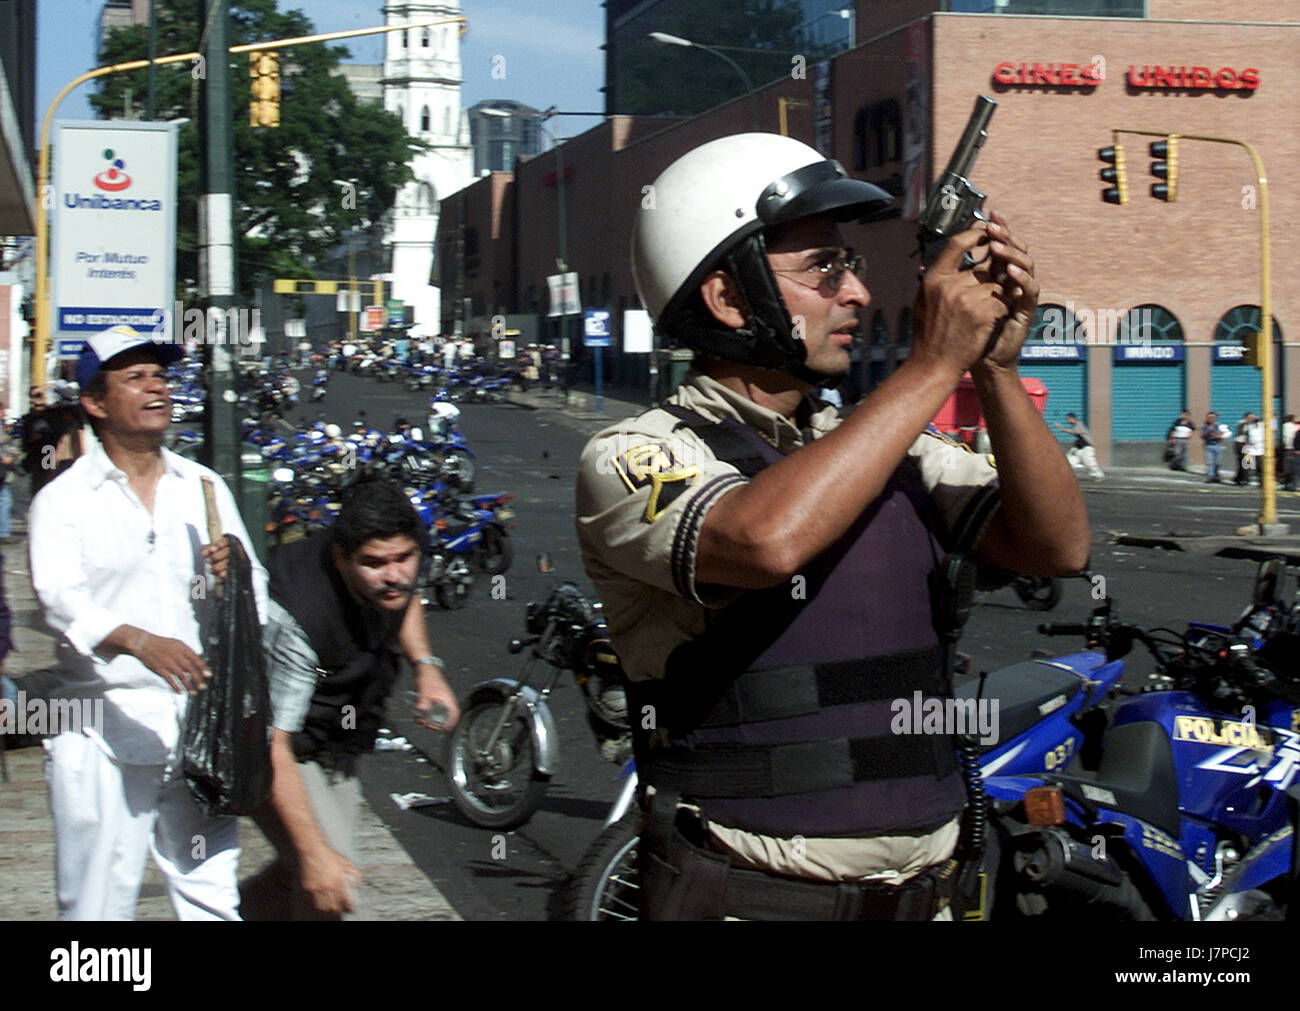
<point x="778" y="718"/>
<point x="357" y="668"/>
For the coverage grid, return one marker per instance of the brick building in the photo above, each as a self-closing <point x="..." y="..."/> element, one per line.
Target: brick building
<point x="1143" y="305"/>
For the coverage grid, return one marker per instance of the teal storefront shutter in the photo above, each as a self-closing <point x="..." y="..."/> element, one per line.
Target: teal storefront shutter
<point x="1067" y="390"/>
<point x="1145" y="399"/>
<point x="1234" y="390"/>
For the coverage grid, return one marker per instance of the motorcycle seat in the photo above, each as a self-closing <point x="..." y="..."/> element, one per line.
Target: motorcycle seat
<point x="1026" y="692"/>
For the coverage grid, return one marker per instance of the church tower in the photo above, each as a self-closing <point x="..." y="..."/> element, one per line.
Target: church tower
<point x="421" y="81"/>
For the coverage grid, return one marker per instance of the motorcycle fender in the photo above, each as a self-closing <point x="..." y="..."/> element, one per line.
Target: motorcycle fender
<point x="1268" y="862"/>
<point x="546" y="741"/>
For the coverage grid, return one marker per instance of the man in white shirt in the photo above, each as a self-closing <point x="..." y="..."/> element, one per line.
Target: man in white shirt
<point x="120" y="565"/>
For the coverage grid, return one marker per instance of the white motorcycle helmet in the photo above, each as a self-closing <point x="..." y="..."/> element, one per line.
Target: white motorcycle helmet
<point x="708" y="212"/>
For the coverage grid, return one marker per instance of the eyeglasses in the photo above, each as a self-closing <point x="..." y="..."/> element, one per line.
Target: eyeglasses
<point x="828" y="274"/>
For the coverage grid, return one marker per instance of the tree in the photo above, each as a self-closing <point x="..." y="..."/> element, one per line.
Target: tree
<point x="290" y="208"/>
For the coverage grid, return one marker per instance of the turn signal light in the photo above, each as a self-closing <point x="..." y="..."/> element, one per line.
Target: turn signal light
<point x="1045" y="805"/>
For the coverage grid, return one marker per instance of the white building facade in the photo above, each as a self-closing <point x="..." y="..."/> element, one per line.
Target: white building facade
<point x="421" y="81"/>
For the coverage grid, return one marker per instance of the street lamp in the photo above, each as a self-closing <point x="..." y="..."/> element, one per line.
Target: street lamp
<point x="846" y="14"/>
<point x="664" y="39"/>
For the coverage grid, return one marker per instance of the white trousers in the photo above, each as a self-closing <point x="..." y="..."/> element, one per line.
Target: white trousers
<point x="108" y="816"/>
<point x="1085" y="459"/>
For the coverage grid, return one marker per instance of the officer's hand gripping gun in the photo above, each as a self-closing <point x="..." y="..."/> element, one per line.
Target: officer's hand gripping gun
<point x="953" y="204"/>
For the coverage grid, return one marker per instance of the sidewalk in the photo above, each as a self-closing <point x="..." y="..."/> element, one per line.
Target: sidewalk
<point x="393" y="888"/>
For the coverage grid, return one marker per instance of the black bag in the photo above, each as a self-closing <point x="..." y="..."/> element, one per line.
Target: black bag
<point x="227" y="750"/>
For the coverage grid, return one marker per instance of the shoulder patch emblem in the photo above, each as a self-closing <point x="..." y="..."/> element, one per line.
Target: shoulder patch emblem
<point x="638" y="465"/>
<point x="665" y="488"/>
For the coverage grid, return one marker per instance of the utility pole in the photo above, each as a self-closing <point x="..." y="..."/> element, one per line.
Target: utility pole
<point x="216" y="243"/>
<point x="149" y="108"/>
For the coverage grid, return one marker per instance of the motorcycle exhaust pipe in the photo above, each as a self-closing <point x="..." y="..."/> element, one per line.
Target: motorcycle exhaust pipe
<point x="1063" y="864"/>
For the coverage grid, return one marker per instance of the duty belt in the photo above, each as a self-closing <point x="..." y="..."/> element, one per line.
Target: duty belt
<point x="681" y="879"/>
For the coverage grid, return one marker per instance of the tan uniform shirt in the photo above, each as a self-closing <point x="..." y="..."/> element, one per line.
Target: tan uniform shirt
<point x="643" y="493"/>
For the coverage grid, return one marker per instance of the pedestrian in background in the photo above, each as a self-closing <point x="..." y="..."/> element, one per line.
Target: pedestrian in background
<point x="1254" y="459"/>
<point x="1212" y="435"/>
<point x="1082" y="455"/>
<point x="1240" y="442"/>
<point x="1180" y="433"/>
<point x="1288" y="455"/>
<point x="8" y="462"/>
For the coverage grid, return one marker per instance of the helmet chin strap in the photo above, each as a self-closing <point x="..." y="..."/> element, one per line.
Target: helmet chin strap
<point x="769" y="328"/>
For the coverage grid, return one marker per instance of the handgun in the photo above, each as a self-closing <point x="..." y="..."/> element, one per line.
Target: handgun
<point x="953" y="204"/>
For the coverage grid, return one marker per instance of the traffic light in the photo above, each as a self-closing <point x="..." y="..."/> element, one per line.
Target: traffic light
<point x="264" y="107"/>
<point x="1114" y="156"/>
<point x="1165" y="168"/>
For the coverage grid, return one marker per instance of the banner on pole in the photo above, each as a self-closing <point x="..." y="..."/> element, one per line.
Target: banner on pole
<point x="564" y="294"/>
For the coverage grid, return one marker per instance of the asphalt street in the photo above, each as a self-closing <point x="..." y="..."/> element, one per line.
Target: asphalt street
<point x="488" y="875"/>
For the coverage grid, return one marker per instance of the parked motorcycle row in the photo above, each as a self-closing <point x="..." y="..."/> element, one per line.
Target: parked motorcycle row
<point x="310" y="468"/>
<point x="472" y="380"/>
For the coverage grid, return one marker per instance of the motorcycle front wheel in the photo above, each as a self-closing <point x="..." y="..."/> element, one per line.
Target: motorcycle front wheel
<point x="606" y="885"/>
<point x="498" y="787"/>
<point x="453" y="589"/>
<point x="458" y="469"/>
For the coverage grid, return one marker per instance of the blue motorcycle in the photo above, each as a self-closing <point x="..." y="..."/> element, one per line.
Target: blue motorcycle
<point x="1183" y="805"/>
<point x="1177" y="803"/>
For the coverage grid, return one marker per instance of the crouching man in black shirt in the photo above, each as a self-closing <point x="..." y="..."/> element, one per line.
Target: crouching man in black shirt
<point x="343" y="604"/>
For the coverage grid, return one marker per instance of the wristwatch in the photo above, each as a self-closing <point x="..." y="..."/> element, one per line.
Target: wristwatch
<point x="427" y="661"/>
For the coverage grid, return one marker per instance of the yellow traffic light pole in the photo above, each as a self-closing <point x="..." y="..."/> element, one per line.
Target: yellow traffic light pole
<point x="1264" y="339"/>
<point x="41" y="340"/>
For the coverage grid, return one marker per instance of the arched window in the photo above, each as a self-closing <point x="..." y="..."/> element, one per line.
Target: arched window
<point x="1148" y="324"/>
<point x="446" y="121"/>
<point x="424" y="120"/>
<point x="424" y="38"/>
<point x="401" y="114"/>
<point x="424" y="199"/>
<point x="1239" y="322"/>
<point x="405" y="42"/>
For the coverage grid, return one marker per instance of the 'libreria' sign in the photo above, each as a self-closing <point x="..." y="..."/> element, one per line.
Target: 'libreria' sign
<point x="113" y="225"/>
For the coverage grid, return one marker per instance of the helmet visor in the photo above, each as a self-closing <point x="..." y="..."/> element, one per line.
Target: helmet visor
<point x="822" y="188"/>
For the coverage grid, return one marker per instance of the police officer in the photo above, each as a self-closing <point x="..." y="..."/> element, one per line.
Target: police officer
<point x="768" y="570"/>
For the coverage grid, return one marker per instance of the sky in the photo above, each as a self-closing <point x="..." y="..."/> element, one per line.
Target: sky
<point x="551" y="51"/>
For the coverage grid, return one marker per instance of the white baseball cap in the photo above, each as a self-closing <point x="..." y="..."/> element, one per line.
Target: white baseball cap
<point x="106" y="345"/>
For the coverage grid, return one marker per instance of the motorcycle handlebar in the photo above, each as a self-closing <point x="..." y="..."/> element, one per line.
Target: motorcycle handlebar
<point x="517" y="644"/>
<point x="1062" y="628"/>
